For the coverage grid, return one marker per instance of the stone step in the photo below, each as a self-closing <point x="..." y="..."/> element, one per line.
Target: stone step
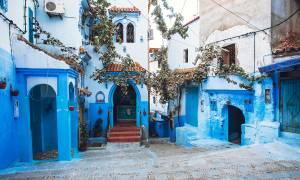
<point x="121" y="129"/>
<point x="124" y="139"/>
<point x="123" y="133"/>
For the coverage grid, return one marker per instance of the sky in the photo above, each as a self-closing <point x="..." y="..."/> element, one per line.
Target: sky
<point x="188" y="8"/>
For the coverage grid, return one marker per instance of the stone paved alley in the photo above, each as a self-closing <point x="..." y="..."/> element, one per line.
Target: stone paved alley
<point x="212" y="160"/>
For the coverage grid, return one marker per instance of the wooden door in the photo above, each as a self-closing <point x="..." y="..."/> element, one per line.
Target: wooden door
<point x="191" y="110"/>
<point x="290" y="105"/>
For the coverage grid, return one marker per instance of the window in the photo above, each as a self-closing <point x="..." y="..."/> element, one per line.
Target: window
<point x="3" y="5"/>
<point x="30" y="24"/>
<point x="154" y="100"/>
<point x="119" y="34"/>
<point x="130" y="33"/>
<point x="228" y="55"/>
<point x="186" y="55"/>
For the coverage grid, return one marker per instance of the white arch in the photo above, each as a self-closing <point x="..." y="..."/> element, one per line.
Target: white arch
<point x="33" y="81"/>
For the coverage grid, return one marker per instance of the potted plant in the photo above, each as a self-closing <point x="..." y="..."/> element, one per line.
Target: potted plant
<point x="3" y="83"/>
<point x="14" y="92"/>
<point x="83" y="132"/>
<point x="71" y="108"/>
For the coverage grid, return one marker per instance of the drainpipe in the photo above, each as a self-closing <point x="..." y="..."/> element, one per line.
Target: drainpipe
<point x="254" y="53"/>
<point x="25" y="18"/>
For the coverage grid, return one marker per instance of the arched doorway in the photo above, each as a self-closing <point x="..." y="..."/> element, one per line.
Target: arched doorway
<point x="43" y="122"/>
<point x="235" y="120"/>
<point x="124" y="106"/>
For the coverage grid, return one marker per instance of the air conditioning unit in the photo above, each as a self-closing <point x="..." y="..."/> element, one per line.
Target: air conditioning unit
<point x="54" y="7"/>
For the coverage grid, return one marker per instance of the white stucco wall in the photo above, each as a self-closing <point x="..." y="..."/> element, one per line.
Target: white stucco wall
<point x="15" y="13"/>
<point x="139" y="49"/>
<point x="27" y="57"/>
<point x="177" y="45"/>
<point x="216" y="24"/>
<point x="67" y="29"/>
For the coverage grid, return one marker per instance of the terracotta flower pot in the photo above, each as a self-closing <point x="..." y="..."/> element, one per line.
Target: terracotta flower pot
<point x="71" y="108"/>
<point x="81" y="50"/>
<point x="3" y="85"/>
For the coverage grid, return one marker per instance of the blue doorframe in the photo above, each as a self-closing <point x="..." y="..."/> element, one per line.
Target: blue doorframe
<point x="111" y="104"/>
<point x="63" y="113"/>
<point x="191" y="104"/>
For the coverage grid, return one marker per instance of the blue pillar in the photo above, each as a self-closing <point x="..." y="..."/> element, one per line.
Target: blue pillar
<point x="276" y="95"/>
<point x="75" y="129"/>
<point x="24" y="130"/>
<point x="63" y="120"/>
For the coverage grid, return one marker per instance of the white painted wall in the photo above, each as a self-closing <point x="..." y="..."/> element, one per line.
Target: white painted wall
<point x="177" y="45"/>
<point x="67" y="29"/>
<point x="216" y="24"/>
<point x="33" y="81"/>
<point x="15" y="13"/>
<point x="138" y="50"/>
<point x="27" y="57"/>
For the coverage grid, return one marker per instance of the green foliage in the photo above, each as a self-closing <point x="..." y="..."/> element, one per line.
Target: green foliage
<point x="48" y="39"/>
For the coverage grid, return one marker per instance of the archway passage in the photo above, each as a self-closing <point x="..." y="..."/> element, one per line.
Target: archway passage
<point x="235" y="121"/>
<point x="43" y="122"/>
<point x="124" y="106"/>
<point x="124" y="117"/>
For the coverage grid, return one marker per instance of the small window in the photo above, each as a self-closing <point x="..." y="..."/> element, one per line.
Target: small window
<point x="228" y="55"/>
<point x="119" y="34"/>
<point x="186" y="55"/>
<point x="130" y="33"/>
<point x="4" y="5"/>
<point x="154" y="100"/>
<point x="30" y="24"/>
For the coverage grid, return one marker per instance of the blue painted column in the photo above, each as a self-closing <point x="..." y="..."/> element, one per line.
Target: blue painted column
<point x="276" y="95"/>
<point x="75" y="128"/>
<point x="63" y="120"/>
<point x="24" y="130"/>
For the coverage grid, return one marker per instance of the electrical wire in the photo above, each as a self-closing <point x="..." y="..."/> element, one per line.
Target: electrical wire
<point x="261" y="30"/>
<point x="235" y="14"/>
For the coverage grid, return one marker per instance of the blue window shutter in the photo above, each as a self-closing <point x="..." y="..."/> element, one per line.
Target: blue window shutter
<point x="4" y="5"/>
<point x="30" y="25"/>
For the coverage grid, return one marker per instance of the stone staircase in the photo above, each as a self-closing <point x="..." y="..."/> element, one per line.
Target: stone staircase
<point x="124" y="132"/>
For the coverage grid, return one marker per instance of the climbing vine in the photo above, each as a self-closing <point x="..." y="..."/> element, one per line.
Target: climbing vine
<point x="167" y="83"/>
<point x="103" y="33"/>
<point x="48" y="39"/>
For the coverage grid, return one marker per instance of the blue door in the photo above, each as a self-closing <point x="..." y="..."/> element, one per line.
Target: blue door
<point x="290" y="105"/>
<point x="191" y="110"/>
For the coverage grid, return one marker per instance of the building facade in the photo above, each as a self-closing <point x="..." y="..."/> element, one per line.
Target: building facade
<point x="39" y="82"/>
<point x="224" y="110"/>
<point x="106" y="104"/>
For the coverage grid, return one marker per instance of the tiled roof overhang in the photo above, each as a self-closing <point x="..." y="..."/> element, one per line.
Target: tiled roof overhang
<point x="118" y="68"/>
<point x="116" y="9"/>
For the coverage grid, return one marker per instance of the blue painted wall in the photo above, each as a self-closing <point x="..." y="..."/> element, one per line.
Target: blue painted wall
<point x="8" y="127"/>
<point x="191" y="104"/>
<point x="142" y="113"/>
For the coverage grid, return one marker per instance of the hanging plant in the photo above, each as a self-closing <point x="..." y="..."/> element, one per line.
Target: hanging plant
<point x="3" y="83"/>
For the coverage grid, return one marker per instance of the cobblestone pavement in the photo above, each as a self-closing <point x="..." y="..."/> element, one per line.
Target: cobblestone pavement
<point x="212" y="160"/>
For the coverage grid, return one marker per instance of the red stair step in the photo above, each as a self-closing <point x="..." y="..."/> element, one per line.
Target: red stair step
<point x="124" y="139"/>
<point x="119" y="129"/>
<point x="124" y="133"/>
